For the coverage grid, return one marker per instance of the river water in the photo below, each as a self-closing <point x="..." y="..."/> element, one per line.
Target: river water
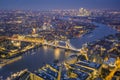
<point x="33" y="60"/>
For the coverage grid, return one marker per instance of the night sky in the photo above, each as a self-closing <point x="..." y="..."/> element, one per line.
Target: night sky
<point x="59" y="4"/>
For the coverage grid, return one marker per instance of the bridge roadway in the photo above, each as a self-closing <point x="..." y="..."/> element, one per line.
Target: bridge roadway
<point x="44" y="42"/>
<point x="63" y="47"/>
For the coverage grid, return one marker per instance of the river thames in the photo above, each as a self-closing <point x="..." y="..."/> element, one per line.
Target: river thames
<point x="33" y="60"/>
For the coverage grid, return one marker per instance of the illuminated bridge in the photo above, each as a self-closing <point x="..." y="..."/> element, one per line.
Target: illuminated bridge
<point x="55" y="43"/>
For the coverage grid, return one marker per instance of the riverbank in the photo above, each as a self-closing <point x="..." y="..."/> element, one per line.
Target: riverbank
<point x="17" y="56"/>
<point x="9" y="61"/>
<point x="45" y="55"/>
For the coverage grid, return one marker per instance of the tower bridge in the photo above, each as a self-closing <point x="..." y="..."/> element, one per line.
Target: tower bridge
<point x="55" y="43"/>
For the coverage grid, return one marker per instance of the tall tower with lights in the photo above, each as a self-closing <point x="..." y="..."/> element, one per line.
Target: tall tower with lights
<point x="83" y="12"/>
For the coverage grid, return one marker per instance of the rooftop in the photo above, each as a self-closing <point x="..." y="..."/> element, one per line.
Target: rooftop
<point x="81" y="68"/>
<point x="44" y="75"/>
<point x="23" y="76"/>
<point x="89" y="64"/>
<point x="81" y="75"/>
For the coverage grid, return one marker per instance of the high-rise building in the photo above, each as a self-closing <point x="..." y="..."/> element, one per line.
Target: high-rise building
<point x="46" y="26"/>
<point x="83" y="12"/>
<point x="33" y="31"/>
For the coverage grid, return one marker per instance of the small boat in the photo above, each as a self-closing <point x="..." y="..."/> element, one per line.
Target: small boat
<point x="90" y="36"/>
<point x="32" y="53"/>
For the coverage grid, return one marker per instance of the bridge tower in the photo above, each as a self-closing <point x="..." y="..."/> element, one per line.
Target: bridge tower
<point x="84" y="51"/>
<point x="56" y="43"/>
<point x="67" y="44"/>
<point x="86" y="56"/>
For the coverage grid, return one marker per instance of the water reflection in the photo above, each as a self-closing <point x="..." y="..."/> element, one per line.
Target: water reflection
<point x="57" y="53"/>
<point x="67" y="54"/>
<point x="45" y="48"/>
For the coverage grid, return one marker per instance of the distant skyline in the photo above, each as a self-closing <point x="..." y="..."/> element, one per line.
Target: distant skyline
<point x="59" y="4"/>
